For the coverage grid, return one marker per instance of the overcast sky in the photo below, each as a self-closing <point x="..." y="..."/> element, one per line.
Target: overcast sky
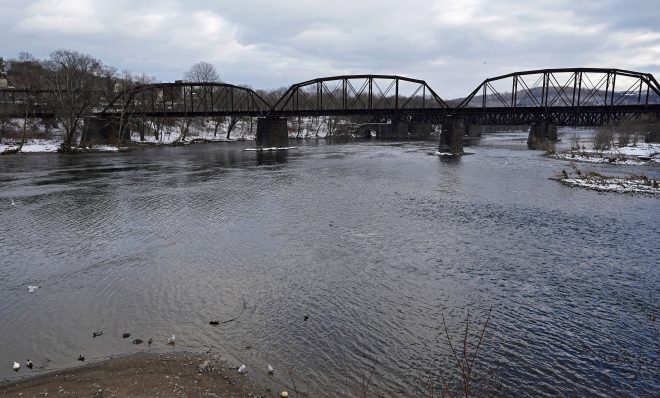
<point x="453" y="45"/>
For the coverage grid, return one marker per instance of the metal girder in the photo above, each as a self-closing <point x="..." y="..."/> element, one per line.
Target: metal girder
<point x="344" y="95"/>
<point x="189" y="99"/>
<point x="573" y="87"/>
<point x="572" y="96"/>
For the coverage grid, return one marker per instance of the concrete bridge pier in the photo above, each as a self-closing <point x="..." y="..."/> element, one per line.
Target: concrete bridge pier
<point x="103" y="130"/>
<point x="451" y="136"/>
<point x="366" y="130"/>
<point x="653" y="134"/>
<point x="272" y="132"/>
<point x="396" y="130"/>
<point x="420" y="130"/>
<point x="539" y="132"/>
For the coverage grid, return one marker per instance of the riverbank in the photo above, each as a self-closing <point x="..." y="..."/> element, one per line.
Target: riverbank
<point x="631" y="184"/>
<point x="636" y="154"/>
<point x="147" y="375"/>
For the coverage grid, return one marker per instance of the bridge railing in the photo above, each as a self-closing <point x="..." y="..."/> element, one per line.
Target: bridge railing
<point x="575" y="88"/>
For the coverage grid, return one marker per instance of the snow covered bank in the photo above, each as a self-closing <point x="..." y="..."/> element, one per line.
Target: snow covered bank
<point x="32" y="146"/>
<point x="598" y="182"/>
<point x="49" y="146"/>
<point x="630" y="155"/>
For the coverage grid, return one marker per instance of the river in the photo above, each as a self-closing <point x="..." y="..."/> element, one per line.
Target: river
<point x="376" y="242"/>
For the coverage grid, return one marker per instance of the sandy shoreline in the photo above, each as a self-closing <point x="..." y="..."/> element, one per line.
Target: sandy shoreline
<point x="175" y="374"/>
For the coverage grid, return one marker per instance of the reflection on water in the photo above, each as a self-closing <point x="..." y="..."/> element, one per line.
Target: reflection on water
<point x="272" y="157"/>
<point x="375" y="241"/>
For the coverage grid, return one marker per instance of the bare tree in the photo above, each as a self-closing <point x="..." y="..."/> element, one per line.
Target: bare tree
<point x="77" y="83"/>
<point x="202" y="72"/>
<point x="5" y="124"/>
<point x="125" y="82"/>
<point x="27" y="73"/>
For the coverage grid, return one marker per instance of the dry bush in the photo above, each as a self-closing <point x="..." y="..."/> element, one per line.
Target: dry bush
<point x="603" y="139"/>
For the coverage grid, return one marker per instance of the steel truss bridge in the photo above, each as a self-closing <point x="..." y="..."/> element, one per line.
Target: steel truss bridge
<point x="572" y="96"/>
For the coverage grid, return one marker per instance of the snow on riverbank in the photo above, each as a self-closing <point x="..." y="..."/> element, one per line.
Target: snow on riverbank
<point x="49" y="146"/>
<point x="273" y="148"/>
<point x="598" y="182"/>
<point x="637" y="154"/>
<point x="32" y="146"/>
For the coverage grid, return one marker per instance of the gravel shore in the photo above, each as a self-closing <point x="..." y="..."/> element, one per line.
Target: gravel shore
<point x="176" y="374"/>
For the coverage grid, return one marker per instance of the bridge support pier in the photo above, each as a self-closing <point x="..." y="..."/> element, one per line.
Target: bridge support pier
<point x="397" y="130"/>
<point x="98" y="130"/>
<point x="540" y="132"/>
<point x="451" y="136"/>
<point x="653" y="134"/>
<point x="272" y="132"/>
<point x="420" y="130"/>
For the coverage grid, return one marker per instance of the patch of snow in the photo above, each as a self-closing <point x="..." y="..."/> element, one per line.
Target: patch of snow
<point x="105" y="148"/>
<point x="33" y="146"/>
<point x="615" y="184"/>
<point x="637" y="154"/>
<point x="270" y="148"/>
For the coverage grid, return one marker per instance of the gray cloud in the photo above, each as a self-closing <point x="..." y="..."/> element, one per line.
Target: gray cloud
<point x="453" y="45"/>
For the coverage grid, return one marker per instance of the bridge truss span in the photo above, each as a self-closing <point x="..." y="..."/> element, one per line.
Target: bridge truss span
<point x="568" y="89"/>
<point x="189" y="99"/>
<point x="359" y="94"/>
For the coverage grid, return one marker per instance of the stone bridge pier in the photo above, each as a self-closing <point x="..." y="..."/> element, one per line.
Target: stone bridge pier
<point x="272" y="132"/>
<point x="653" y="134"/>
<point x="396" y="130"/>
<point x="104" y="130"/>
<point x="539" y="132"/>
<point x="451" y="136"/>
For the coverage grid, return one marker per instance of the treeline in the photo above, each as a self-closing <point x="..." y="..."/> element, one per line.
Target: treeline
<point x="76" y="84"/>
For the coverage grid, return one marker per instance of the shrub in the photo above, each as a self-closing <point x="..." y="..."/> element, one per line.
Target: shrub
<point x="603" y="139"/>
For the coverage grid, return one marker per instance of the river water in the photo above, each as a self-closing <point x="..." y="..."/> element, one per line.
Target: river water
<point x="375" y="241"/>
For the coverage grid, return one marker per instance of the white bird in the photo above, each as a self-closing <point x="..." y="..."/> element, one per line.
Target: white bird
<point x="17" y="366"/>
<point x="270" y="370"/>
<point x="241" y="369"/>
<point x="171" y="340"/>
<point x="12" y="201"/>
<point x="32" y="288"/>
